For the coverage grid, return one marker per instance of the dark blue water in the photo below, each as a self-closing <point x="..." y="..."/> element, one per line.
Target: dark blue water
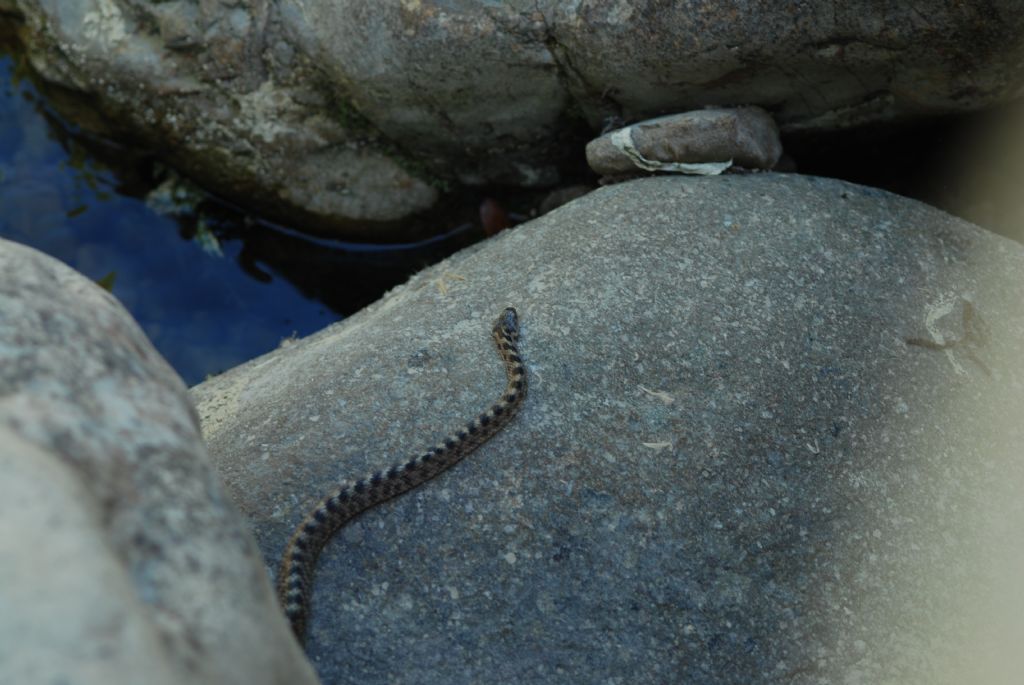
<point x="210" y="286"/>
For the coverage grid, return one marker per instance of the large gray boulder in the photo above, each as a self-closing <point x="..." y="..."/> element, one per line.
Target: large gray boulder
<point x="349" y="115"/>
<point x="121" y="561"/>
<point x="227" y="94"/>
<point x="772" y="435"/>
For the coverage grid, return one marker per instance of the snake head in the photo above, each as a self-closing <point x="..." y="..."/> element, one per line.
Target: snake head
<point x="508" y="322"/>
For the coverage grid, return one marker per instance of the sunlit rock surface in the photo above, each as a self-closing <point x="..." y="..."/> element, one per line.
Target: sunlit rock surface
<point x="121" y="561"/>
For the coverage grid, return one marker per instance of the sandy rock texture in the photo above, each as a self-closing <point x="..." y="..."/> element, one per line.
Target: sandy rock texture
<point x="772" y="435"/>
<point x="121" y="560"/>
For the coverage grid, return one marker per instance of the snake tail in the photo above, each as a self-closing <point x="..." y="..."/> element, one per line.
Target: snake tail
<point x="351" y="498"/>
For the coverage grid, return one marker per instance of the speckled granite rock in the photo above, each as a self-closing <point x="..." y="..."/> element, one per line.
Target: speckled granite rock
<point x="328" y="112"/>
<point x="120" y="559"/>
<point x="773" y="435"/>
<point x="226" y="93"/>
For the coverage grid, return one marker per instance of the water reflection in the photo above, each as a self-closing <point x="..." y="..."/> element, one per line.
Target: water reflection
<point x="211" y="287"/>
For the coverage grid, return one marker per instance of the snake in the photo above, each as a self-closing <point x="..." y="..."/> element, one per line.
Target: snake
<point x="351" y="498"/>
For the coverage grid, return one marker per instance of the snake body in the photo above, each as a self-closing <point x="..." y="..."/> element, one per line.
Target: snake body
<point x="349" y="499"/>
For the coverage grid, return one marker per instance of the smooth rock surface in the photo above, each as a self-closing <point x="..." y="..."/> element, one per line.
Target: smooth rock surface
<point x="121" y="561"/>
<point x="772" y="435"/>
<point x="743" y="136"/>
<point x="328" y="112"/>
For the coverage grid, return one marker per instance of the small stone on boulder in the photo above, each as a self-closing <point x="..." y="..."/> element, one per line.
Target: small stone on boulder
<point x="702" y="142"/>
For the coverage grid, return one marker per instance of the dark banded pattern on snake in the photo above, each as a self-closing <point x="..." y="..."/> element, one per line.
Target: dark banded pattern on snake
<point x="295" y="576"/>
